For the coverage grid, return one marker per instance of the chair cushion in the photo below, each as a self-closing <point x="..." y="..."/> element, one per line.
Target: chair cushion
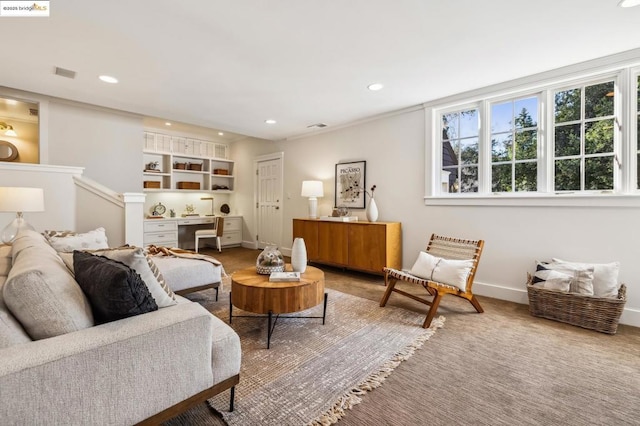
<point x="451" y="272"/>
<point x="11" y="332"/>
<point x="114" y="290"/>
<point x="181" y="274"/>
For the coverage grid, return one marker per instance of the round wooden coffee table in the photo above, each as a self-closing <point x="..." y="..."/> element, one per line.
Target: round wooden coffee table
<point x="253" y="292"/>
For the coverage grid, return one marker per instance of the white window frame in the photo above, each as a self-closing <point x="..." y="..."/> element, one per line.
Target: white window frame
<point x="624" y="73"/>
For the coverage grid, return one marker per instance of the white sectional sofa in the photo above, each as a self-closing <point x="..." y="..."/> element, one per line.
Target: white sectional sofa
<point x="57" y="367"/>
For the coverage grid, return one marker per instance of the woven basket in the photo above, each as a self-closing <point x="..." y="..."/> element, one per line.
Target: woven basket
<point x="595" y="313"/>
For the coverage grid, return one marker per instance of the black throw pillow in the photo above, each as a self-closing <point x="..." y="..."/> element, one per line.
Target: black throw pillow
<point x="114" y="290"/>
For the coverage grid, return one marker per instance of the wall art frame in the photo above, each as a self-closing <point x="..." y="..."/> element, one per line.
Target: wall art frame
<point x="350" y="184"/>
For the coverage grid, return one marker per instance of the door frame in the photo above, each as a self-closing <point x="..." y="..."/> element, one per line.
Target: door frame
<point x="256" y="186"/>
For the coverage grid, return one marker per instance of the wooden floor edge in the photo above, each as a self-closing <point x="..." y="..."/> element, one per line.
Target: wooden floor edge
<point x="190" y="402"/>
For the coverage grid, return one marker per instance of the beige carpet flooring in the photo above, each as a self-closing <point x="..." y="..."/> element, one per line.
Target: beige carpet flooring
<point x="502" y="367"/>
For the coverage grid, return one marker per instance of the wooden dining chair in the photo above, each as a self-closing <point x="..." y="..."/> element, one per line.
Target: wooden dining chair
<point x="215" y="232"/>
<point x="446" y="248"/>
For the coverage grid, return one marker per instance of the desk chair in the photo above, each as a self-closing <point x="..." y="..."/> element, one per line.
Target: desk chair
<point x="216" y="232"/>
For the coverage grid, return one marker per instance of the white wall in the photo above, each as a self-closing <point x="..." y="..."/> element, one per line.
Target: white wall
<point x="108" y="144"/>
<point x="515" y="236"/>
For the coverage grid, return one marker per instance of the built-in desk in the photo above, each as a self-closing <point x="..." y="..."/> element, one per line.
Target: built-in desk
<point x="180" y="231"/>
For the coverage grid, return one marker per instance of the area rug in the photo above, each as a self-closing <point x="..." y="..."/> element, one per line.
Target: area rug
<point x="313" y="373"/>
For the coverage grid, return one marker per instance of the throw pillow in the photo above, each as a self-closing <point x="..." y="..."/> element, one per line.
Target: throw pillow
<point x="136" y="259"/>
<point x="424" y="266"/>
<point x="96" y="239"/>
<point x="114" y="290"/>
<point x="605" y="276"/>
<point x="578" y="280"/>
<point x="446" y="271"/>
<point x="550" y="279"/>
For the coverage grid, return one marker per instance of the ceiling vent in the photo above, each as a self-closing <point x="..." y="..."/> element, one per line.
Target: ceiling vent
<point x="65" y="73"/>
<point x="33" y="112"/>
<point x="317" y="125"/>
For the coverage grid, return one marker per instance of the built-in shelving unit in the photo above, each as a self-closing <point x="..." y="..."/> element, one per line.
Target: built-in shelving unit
<point x="173" y="163"/>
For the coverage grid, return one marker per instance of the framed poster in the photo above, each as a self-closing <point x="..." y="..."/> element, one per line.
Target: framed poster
<point x="350" y="184"/>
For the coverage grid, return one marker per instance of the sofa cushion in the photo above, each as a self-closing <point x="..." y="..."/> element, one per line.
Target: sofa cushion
<point x="11" y="332"/>
<point x="40" y="291"/>
<point x="68" y="242"/>
<point x="115" y="291"/>
<point x="136" y="259"/>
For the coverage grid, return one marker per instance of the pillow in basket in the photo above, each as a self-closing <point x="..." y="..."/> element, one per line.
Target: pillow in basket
<point x="605" y="276"/>
<point x="561" y="277"/>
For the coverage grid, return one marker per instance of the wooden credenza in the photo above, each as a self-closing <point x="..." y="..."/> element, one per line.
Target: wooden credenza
<point x="363" y="246"/>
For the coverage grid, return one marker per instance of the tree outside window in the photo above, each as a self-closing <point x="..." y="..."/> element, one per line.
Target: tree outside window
<point x="584" y="119"/>
<point x="514" y="145"/>
<point x="460" y="136"/>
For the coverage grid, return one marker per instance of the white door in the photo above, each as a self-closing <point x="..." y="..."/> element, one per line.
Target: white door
<point x="269" y="201"/>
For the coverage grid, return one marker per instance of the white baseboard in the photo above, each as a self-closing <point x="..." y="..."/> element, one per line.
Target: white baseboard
<point x="629" y="316"/>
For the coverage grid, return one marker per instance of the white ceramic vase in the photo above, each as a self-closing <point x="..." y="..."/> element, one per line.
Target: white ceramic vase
<point x="372" y="210"/>
<point x="299" y="255"/>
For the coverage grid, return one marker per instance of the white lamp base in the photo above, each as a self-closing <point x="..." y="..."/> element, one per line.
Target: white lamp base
<point x="313" y="208"/>
<point x="10" y="232"/>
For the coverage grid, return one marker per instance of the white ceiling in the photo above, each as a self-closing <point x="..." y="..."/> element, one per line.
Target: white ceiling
<point x="230" y="65"/>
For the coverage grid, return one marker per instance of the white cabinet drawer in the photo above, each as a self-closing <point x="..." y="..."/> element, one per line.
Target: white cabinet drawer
<point x="150" y="226"/>
<point x="169" y="237"/>
<point x="232" y="224"/>
<point x="231" y="238"/>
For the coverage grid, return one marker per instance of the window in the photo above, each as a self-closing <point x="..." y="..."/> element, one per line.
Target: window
<point x="584" y="122"/>
<point x="460" y="136"/>
<point x="562" y="136"/>
<point x="514" y="145"/>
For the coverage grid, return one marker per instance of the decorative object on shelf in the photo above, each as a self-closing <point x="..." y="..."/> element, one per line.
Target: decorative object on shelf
<point x="8" y="128"/>
<point x="350" y="180"/>
<point x="225" y="209"/>
<point x="312" y="189"/>
<point x="151" y="184"/>
<point x="372" y="208"/>
<point x="18" y="200"/>
<point x="270" y="260"/>
<point x="210" y="199"/>
<point x="188" y="185"/>
<point x="8" y="151"/>
<point x="158" y="210"/>
<point x="190" y="211"/>
<point x="217" y="187"/>
<point x="299" y="255"/>
<point x="179" y="166"/>
<point x="195" y="166"/>
<point x="172" y="213"/>
<point x="221" y="172"/>
<point x="153" y="166"/>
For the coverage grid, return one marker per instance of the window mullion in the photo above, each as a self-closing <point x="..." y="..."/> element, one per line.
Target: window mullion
<point x="484" y="147"/>
<point x="546" y="147"/>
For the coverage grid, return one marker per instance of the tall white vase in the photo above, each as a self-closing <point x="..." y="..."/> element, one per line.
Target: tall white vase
<point x="299" y="255"/>
<point x="372" y="210"/>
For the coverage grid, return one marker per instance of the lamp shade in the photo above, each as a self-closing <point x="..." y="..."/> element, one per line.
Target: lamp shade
<point x="312" y="188"/>
<point x="19" y="199"/>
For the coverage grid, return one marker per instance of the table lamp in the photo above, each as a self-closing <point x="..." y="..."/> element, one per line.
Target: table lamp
<point x="19" y="200"/>
<point x="312" y="189"/>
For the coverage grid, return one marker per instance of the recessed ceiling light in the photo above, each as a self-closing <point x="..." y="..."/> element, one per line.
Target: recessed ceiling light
<point x="108" y="79"/>
<point x="220" y="133"/>
<point x="167" y="124"/>
<point x="375" y="86"/>
<point x="629" y="3"/>
<point x="270" y="121"/>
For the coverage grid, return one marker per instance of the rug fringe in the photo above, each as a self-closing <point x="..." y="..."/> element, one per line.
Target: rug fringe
<point x="376" y="379"/>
